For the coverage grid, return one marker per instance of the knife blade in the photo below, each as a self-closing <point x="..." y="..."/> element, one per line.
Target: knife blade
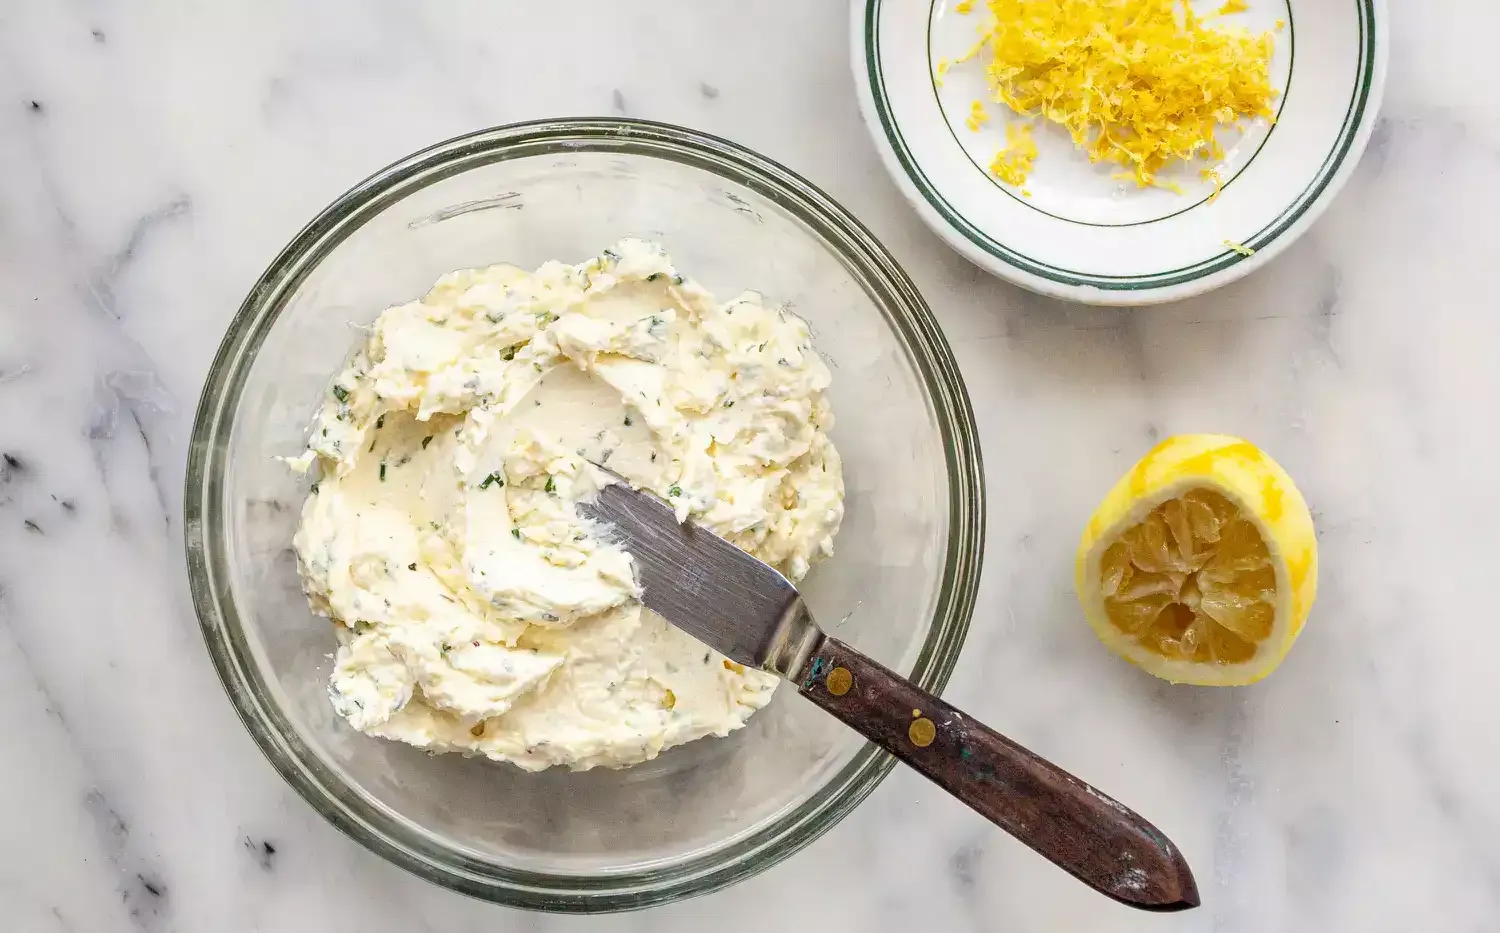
<point x="735" y="604"/>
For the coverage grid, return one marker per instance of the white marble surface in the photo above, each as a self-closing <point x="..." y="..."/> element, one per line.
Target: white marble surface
<point x="154" y="156"/>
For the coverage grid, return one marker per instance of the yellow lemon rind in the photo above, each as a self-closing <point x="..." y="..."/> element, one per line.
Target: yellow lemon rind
<point x="1264" y="494"/>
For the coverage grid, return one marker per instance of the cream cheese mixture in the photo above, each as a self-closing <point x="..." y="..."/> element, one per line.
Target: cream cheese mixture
<point x="477" y="611"/>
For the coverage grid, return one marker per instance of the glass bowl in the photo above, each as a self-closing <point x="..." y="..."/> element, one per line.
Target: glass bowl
<point x="900" y="586"/>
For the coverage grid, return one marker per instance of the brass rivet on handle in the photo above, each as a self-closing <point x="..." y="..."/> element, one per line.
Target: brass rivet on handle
<point x="921" y="732"/>
<point x="839" y="681"/>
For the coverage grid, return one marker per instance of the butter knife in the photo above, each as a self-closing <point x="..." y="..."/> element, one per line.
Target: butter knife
<point x="753" y="615"/>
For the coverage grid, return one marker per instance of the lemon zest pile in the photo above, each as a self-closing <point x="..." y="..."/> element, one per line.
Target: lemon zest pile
<point x="1137" y="82"/>
<point x="1233" y="6"/>
<point x="1013" y="163"/>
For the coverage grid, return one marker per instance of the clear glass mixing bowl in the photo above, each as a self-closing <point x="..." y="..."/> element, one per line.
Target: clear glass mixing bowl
<point x="900" y="587"/>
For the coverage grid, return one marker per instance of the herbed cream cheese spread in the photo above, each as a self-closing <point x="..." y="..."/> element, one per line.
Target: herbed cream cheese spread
<point x="476" y="611"/>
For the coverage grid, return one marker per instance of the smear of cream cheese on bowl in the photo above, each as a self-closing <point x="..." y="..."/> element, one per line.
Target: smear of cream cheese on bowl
<point x="477" y="612"/>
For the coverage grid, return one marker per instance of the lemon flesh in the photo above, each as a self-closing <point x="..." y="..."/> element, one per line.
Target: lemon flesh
<point x="1200" y="566"/>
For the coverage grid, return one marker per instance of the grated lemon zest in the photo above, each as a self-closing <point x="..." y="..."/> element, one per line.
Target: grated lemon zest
<point x="964" y="6"/>
<point x="1137" y="82"/>
<point x="1013" y="163"/>
<point x="942" y="69"/>
<point x="1212" y="175"/>
<point x="1240" y="248"/>
<point x="1233" y="6"/>
<point x="973" y="51"/>
<point x="977" y="116"/>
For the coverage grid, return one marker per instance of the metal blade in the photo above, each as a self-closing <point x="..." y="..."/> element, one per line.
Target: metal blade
<point x="704" y="585"/>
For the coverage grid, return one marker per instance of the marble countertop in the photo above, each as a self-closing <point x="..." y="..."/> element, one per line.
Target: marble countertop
<point x="157" y="155"/>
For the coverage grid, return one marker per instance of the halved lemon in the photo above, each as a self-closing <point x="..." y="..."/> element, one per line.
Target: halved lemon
<point x="1201" y="564"/>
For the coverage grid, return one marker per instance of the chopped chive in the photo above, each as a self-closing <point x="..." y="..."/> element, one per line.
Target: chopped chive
<point x="729" y="404"/>
<point x="380" y="422"/>
<point x="676" y="280"/>
<point x="411" y="566"/>
<point x="341" y="393"/>
<point x="509" y="354"/>
<point x="611" y="255"/>
<point x="675" y="491"/>
<point x="627" y="421"/>
<point x="491" y="479"/>
<point x="551" y="485"/>
<point x="653" y="276"/>
<point x="537" y="366"/>
<point x="314" y="489"/>
<point x="426" y="440"/>
<point x="516" y="533"/>
<point x="382" y="471"/>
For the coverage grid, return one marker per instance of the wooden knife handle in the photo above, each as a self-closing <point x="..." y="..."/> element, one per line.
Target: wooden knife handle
<point x="1099" y="841"/>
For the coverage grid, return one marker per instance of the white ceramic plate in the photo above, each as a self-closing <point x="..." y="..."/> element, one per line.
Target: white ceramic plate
<point x="1081" y="234"/>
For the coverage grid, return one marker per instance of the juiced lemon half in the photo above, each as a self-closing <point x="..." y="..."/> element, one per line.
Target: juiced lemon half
<point x="1201" y="564"/>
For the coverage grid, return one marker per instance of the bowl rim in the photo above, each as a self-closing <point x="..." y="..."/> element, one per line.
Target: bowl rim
<point x="205" y="518"/>
<point x="998" y="258"/>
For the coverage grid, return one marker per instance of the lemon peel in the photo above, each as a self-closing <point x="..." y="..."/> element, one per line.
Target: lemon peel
<point x="1201" y="564"/>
